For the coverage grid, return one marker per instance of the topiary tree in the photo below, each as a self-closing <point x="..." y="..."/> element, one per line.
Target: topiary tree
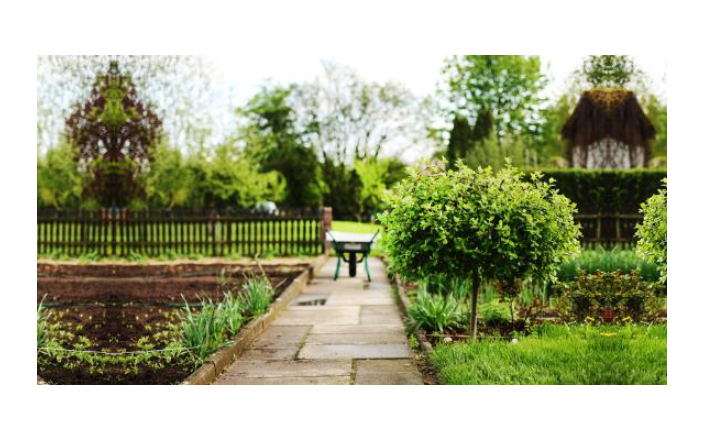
<point x="652" y="233"/>
<point x="478" y="224"/>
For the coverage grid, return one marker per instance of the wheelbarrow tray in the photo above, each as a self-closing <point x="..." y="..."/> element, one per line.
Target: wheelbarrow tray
<point x="352" y="244"/>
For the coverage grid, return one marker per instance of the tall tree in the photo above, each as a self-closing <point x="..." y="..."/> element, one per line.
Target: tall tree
<point x="460" y="140"/>
<point x="273" y="139"/>
<point x="346" y="118"/>
<point x="505" y="89"/>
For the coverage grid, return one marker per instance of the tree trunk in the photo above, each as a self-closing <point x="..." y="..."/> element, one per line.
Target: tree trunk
<point x="475" y="295"/>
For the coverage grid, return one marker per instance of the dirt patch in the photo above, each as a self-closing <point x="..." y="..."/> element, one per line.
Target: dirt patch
<point x="117" y="308"/>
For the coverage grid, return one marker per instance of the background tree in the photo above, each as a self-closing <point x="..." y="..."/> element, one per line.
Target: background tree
<point x="346" y="118"/>
<point x="115" y="134"/>
<point x="170" y="182"/>
<point x="608" y="70"/>
<point x="272" y="138"/>
<point x="460" y="140"/>
<point x="60" y="182"/>
<point x="503" y="89"/>
<point x="554" y="151"/>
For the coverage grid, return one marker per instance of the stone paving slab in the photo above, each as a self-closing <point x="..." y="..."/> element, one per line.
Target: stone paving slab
<point x="387" y="372"/>
<point x="280" y="354"/>
<point x="310" y="368"/>
<point x="357" y="338"/>
<point x="315" y="380"/>
<point x="281" y="338"/>
<point x="307" y="315"/>
<point x="358" y="328"/>
<point x="354" y="351"/>
<point x="380" y="315"/>
<point x="371" y="299"/>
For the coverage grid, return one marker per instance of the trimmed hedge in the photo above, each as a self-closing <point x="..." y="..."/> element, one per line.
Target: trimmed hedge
<point x="607" y="191"/>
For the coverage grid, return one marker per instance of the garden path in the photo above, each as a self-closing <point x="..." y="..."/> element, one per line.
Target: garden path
<point x="355" y="337"/>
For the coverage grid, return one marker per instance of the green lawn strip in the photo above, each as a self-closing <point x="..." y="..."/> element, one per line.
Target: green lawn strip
<point x="560" y="355"/>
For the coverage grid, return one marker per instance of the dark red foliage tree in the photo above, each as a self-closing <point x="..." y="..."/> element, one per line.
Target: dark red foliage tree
<point x="115" y="135"/>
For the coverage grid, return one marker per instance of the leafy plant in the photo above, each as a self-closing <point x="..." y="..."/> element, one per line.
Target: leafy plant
<point x="434" y="313"/>
<point x="479" y="225"/>
<point x="42" y="325"/>
<point x="257" y="296"/>
<point x="653" y="231"/>
<point x="494" y="313"/>
<point x="202" y="331"/>
<point x="610" y="296"/>
<point x="231" y="309"/>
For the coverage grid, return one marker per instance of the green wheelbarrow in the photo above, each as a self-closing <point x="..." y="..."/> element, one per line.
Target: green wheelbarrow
<point x="357" y="248"/>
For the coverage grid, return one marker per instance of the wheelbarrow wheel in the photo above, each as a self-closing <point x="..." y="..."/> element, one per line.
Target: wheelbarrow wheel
<point x="353" y="265"/>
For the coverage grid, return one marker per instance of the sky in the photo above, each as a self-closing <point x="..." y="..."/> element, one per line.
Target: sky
<point x="420" y="73"/>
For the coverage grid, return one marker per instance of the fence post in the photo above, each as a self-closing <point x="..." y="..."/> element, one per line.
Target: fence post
<point x="325" y="225"/>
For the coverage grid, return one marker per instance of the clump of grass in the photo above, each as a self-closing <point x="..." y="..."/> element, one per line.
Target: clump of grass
<point x="206" y="330"/>
<point x="202" y="331"/>
<point x="42" y="324"/>
<point x="257" y="296"/>
<point x="560" y="355"/>
<point x="231" y="309"/>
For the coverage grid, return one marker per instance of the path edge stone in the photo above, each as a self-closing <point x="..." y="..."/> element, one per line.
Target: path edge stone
<point x="222" y="359"/>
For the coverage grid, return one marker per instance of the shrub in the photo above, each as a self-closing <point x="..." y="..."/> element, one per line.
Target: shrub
<point x="652" y="232"/>
<point x="607" y="191"/>
<point x="622" y="260"/>
<point x="494" y="313"/>
<point x="608" y="296"/>
<point x="478" y="224"/>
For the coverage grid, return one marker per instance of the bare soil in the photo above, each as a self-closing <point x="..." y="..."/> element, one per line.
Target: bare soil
<point x="116" y="305"/>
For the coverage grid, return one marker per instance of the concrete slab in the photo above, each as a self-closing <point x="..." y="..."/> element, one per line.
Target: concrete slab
<point x="396" y="337"/>
<point x="279" y="354"/>
<point x="356" y="329"/>
<point x="354" y="351"/>
<point x="289" y="368"/>
<point x="316" y="380"/>
<point x="274" y="337"/>
<point x="320" y="315"/>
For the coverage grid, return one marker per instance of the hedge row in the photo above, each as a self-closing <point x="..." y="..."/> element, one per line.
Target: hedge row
<point x="608" y="191"/>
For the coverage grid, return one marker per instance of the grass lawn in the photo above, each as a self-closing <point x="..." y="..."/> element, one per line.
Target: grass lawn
<point x="359" y="228"/>
<point x="562" y="355"/>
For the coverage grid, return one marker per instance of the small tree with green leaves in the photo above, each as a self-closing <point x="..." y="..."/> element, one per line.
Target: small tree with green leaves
<point x="652" y="233"/>
<point x="482" y="225"/>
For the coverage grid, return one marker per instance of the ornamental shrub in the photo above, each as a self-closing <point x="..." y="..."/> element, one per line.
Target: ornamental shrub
<point x="652" y="233"/>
